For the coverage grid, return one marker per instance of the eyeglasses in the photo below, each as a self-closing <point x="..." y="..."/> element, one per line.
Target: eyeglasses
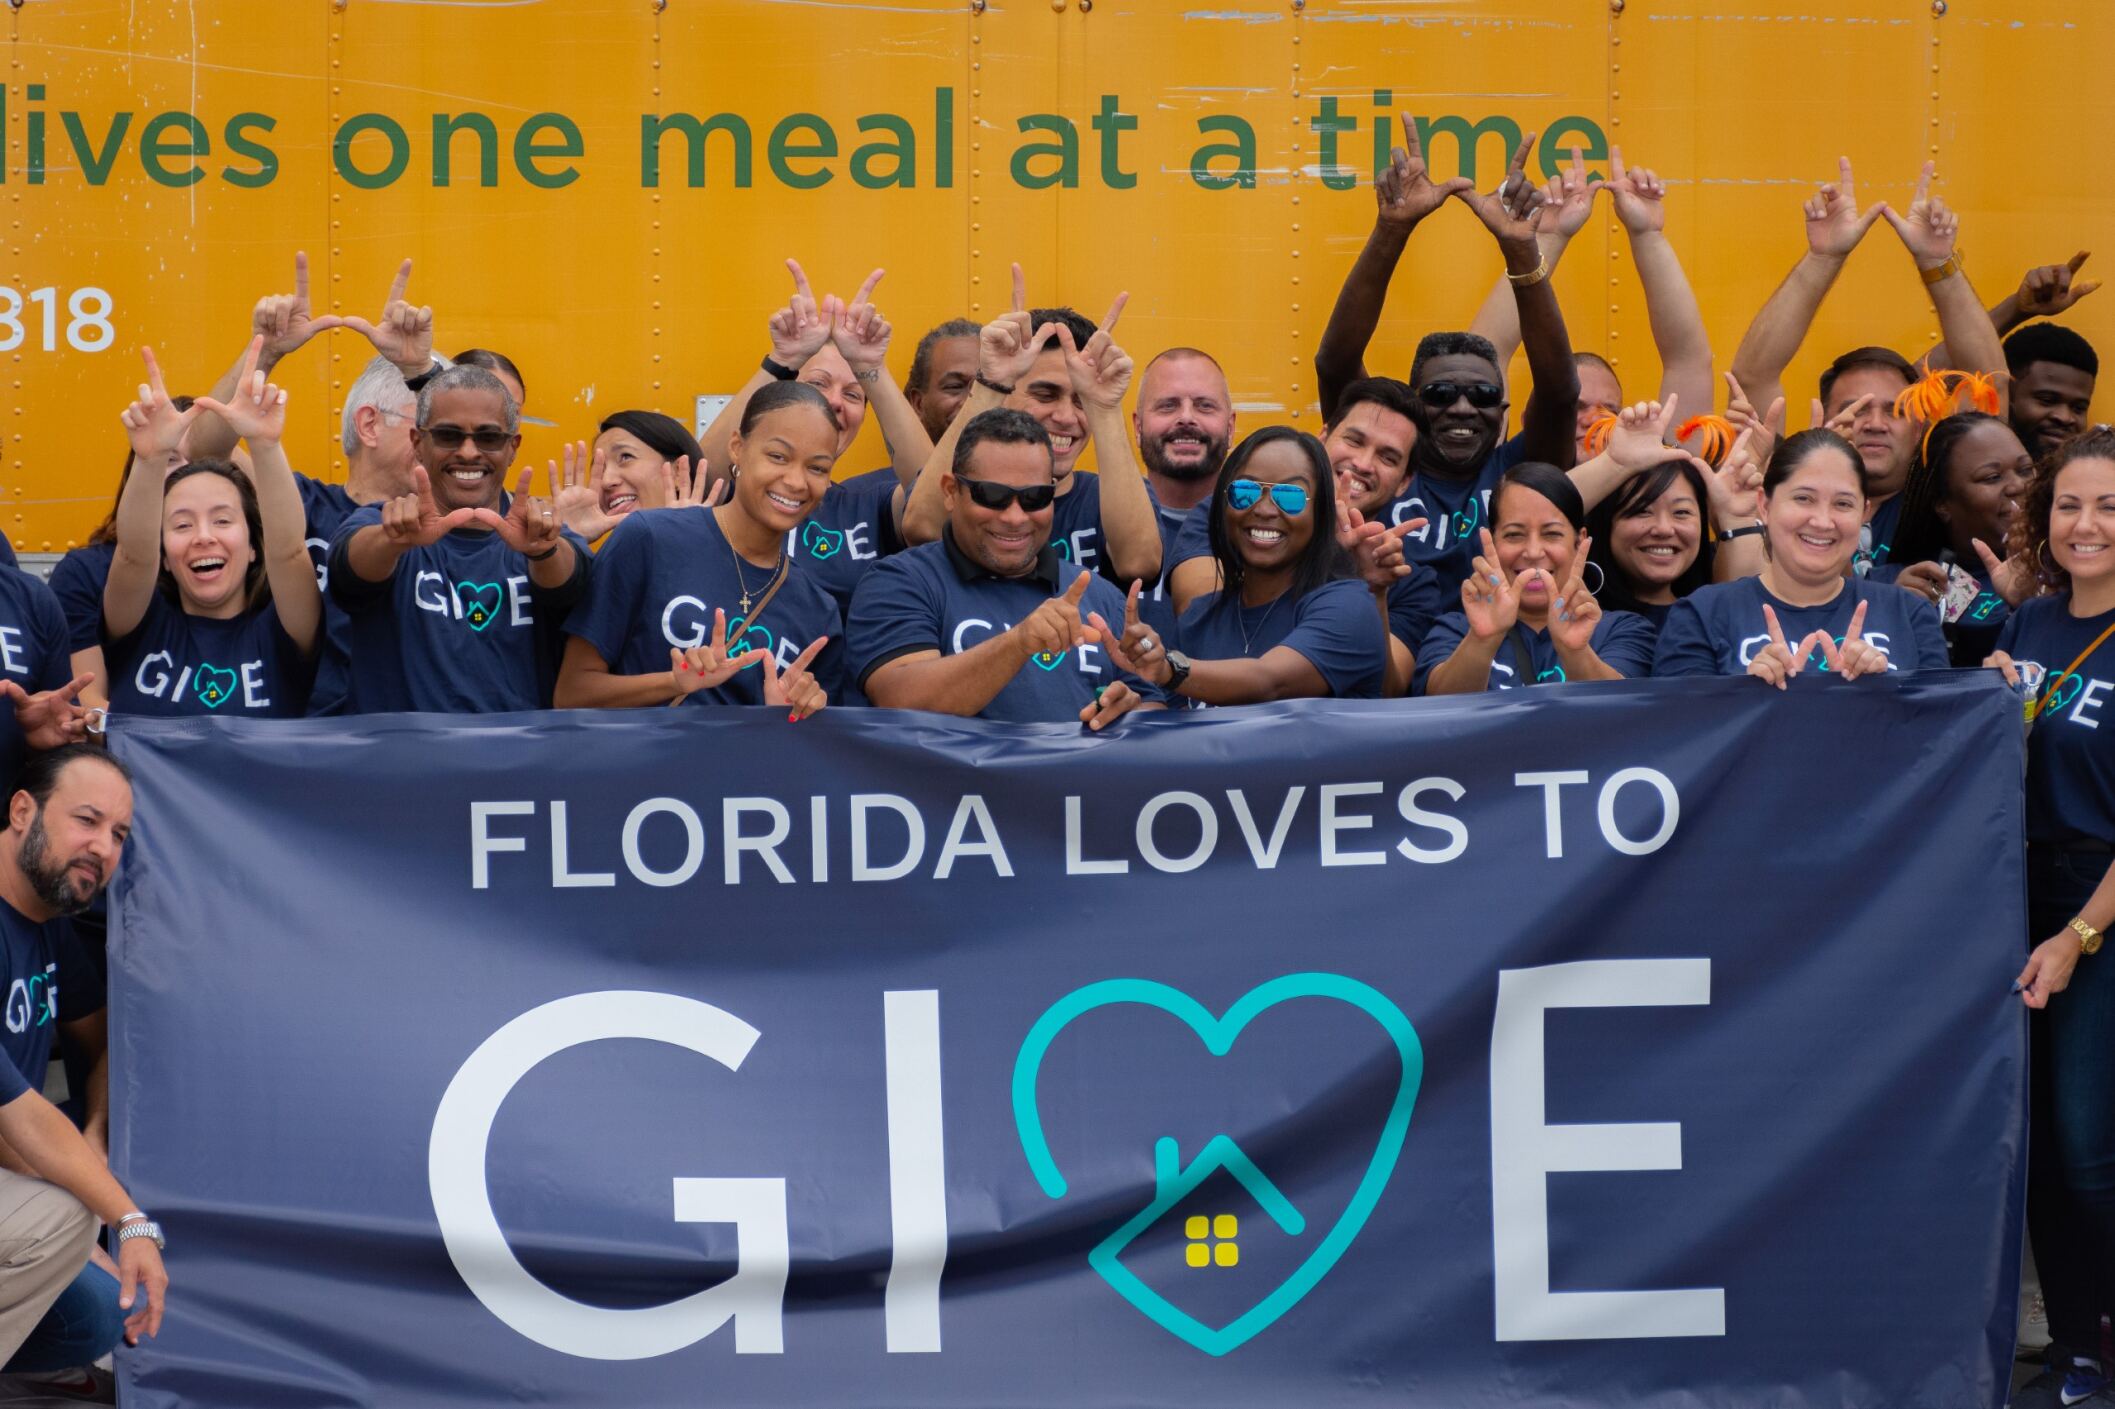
<point x="1438" y="396"/>
<point x="451" y="438"/>
<point x="985" y="494"/>
<point x="1245" y="494"/>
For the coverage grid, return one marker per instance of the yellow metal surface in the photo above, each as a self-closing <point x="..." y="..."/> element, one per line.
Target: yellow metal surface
<point x="618" y="182"/>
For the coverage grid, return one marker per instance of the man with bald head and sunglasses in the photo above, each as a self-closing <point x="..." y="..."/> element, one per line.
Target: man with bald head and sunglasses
<point x="990" y="621"/>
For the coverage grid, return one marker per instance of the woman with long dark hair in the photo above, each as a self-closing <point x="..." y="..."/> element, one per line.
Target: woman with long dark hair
<point x="1960" y="506"/>
<point x="1289" y="621"/>
<point x="1651" y="539"/>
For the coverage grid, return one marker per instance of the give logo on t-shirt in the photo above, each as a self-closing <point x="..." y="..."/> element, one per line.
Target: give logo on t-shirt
<point x="1749" y="645"/>
<point x="476" y="604"/>
<point x="213" y="685"/>
<point x="2074" y="698"/>
<point x="973" y="631"/>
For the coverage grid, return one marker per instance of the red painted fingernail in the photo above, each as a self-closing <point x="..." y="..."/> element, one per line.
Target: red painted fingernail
<point x="793" y="719"/>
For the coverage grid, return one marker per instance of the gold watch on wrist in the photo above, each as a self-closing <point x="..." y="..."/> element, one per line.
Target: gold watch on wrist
<point x="2088" y="937"/>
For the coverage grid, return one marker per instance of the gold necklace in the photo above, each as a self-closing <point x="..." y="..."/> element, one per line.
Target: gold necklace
<point x="741" y="574"/>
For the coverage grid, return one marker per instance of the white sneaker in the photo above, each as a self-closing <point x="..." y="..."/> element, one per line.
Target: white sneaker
<point x="53" y="1391"/>
<point x="2034" y="1322"/>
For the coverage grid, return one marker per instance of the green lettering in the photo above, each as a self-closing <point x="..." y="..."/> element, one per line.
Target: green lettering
<point x="1331" y="124"/>
<point x="1066" y="149"/>
<point x="781" y="152"/>
<point x="1564" y="134"/>
<point x="388" y="130"/>
<point x="903" y="151"/>
<point x="943" y="138"/>
<point x="444" y="130"/>
<point x="1112" y="124"/>
<point x="267" y="160"/>
<point x="652" y="129"/>
<point x="154" y="150"/>
<point x="1467" y="139"/>
<point x="528" y="151"/>
<point x="1242" y="149"/>
<point x="95" y="165"/>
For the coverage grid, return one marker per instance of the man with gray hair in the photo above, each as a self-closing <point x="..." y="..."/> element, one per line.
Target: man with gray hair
<point x="455" y="596"/>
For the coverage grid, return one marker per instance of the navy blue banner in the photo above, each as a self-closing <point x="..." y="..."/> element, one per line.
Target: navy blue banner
<point x="1622" y="1045"/>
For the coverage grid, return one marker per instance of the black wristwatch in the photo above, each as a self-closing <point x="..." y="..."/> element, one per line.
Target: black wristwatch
<point x="779" y="369"/>
<point x="1178" y="671"/>
<point x="1730" y="533"/>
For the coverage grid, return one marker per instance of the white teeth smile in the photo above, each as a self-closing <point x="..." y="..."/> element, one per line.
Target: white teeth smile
<point x="791" y="506"/>
<point x="467" y="476"/>
<point x="1062" y="443"/>
<point x="1265" y="535"/>
<point x="622" y="504"/>
<point x="2087" y="550"/>
<point x="209" y="565"/>
<point x="1659" y="552"/>
<point x="1813" y="542"/>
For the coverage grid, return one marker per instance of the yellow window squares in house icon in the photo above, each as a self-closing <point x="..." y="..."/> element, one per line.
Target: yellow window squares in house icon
<point x="1202" y="1232"/>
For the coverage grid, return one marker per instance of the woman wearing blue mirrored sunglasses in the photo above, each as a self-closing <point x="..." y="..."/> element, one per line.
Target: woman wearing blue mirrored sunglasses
<point x="1292" y="621"/>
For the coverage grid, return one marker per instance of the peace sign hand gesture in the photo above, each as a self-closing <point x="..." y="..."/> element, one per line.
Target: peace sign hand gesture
<point x="2053" y="288"/>
<point x="1640" y="196"/>
<point x="1574" y="614"/>
<point x="1834" y="224"/>
<point x="1100" y="371"/>
<point x="1137" y="651"/>
<point x="405" y="334"/>
<point x="1513" y="212"/>
<point x="1775" y="662"/>
<point x="1568" y="197"/>
<point x="860" y="332"/>
<point x="414" y="520"/>
<point x="708" y="666"/>
<point x="1735" y="486"/>
<point x="257" y="409"/>
<point x="1929" y="227"/>
<point x="285" y="321"/>
<point x="50" y="718"/>
<point x="799" y="330"/>
<point x="798" y="690"/>
<point x="1405" y="192"/>
<point x="1008" y="345"/>
<point x="1489" y="598"/>
<point x="153" y="424"/>
<point x="1766" y="427"/>
<point x="1856" y="656"/>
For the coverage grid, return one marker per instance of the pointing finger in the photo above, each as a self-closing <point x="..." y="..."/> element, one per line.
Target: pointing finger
<point x="866" y="289"/>
<point x="1411" y="143"/>
<point x="802" y="661"/>
<point x="1116" y="311"/>
<point x="1131" y="605"/>
<point x="1020" y="290"/>
<point x="1777" y="632"/>
<point x="1857" y="623"/>
<point x="800" y="280"/>
<point x="399" y="284"/>
<point x="1077" y="592"/>
<point x="301" y="277"/>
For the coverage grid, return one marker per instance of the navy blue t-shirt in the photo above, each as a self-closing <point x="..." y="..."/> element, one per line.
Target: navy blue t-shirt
<point x="2071" y="748"/>
<point x="77" y="580"/>
<point x="850" y="531"/>
<point x="1623" y="641"/>
<point x="1076" y="524"/>
<point x="1336" y="627"/>
<point x="33" y="653"/>
<point x="327" y="506"/>
<point x="928" y="599"/>
<point x="1456" y="509"/>
<point x="49" y="981"/>
<point x="1876" y="537"/>
<point x="1156" y="604"/>
<point x="7" y="553"/>
<point x="660" y="574"/>
<point x="1719" y="628"/>
<point x="1972" y="637"/>
<point x="457" y="629"/>
<point x="1414" y="603"/>
<point x="175" y="664"/>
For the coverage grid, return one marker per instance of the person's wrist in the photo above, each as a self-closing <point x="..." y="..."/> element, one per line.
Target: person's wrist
<point x="1827" y="259"/>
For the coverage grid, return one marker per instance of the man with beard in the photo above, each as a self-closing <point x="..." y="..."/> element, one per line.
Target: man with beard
<point x="2053" y="370"/>
<point x="455" y="598"/>
<point x="1858" y="390"/>
<point x="60" y="1311"/>
<point x="1185" y="423"/>
<point x="1461" y="450"/>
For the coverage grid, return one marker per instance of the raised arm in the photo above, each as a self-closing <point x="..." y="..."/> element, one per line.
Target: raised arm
<point x="1101" y="373"/>
<point x="256" y="411"/>
<point x="1640" y="200"/>
<point x="1637" y="442"/>
<point x="156" y="429"/>
<point x="409" y="521"/>
<point x="1929" y="230"/>
<point x="285" y="323"/>
<point x="1512" y="213"/>
<point x="2044" y="292"/>
<point x="798" y="332"/>
<point x="862" y="336"/>
<point x="585" y="680"/>
<point x="1567" y="203"/>
<point x="1405" y="194"/>
<point x="1834" y="227"/>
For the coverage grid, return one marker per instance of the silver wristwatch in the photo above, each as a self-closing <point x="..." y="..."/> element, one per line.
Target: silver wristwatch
<point x="142" y="1228"/>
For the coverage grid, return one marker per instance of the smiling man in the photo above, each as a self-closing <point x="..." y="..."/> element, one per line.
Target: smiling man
<point x="2053" y="371"/>
<point x="456" y="597"/>
<point x="990" y="621"/>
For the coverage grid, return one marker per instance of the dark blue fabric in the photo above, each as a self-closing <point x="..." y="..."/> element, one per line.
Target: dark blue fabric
<point x="1156" y="605"/>
<point x="1455" y="510"/>
<point x="33" y="653"/>
<point x="458" y="628"/>
<point x="1076" y="525"/>
<point x="49" y="981"/>
<point x="174" y="663"/>
<point x="916" y="601"/>
<point x="1775" y="993"/>
<point x="1971" y="639"/>
<point x="1414" y="603"/>
<point x="83" y="1325"/>
<point x="328" y="506"/>
<point x="1622" y="640"/>
<point x="659" y="577"/>
<point x="1336" y="627"/>
<point x="850" y="531"/>
<point x="2071" y="750"/>
<point x="1717" y="629"/>
<point x="77" y="580"/>
<point x="1877" y="542"/>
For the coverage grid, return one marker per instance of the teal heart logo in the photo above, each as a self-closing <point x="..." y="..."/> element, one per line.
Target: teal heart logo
<point x="2058" y="699"/>
<point x="480" y="603"/>
<point x="1063" y="548"/>
<point x="821" y="543"/>
<point x="1465" y="520"/>
<point x="1984" y="605"/>
<point x="1049" y="660"/>
<point x="214" y="687"/>
<point x="1554" y="675"/>
<point x="754" y="638"/>
<point x="1173" y="1183"/>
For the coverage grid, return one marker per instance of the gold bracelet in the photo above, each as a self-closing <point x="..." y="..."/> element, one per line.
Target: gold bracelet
<point x="1534" y="276"/>
<point x="2088" y="937"/>
<point x="1943" y="272"/>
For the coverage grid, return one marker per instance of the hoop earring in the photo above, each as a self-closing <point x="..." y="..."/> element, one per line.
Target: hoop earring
<point x="1600" y="577"/>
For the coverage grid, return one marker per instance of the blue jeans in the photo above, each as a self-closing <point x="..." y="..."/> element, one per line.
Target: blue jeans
<point x="82" y="1327"/>
<point x="2071" y="1149"/>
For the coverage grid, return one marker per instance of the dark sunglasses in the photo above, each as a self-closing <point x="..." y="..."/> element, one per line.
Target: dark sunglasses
<point x="1438" y="396"/>
<point x="985" y="494"/>
<point x="452" y="438"/>
<point x="1245" y="494"/>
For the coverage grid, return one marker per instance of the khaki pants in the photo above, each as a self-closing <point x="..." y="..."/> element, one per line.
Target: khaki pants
<point x="45" y="1235"/>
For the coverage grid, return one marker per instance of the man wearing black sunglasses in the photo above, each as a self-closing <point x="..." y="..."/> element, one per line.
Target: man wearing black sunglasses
<point x="455" y="597"/>
<point x="990" y="621"/>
